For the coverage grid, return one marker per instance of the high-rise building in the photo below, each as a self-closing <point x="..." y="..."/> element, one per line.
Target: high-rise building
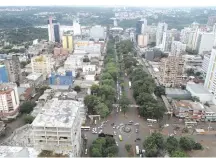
<point x="42" y="64"/>
<point x="67" y="42"/>
<point x="177" y="48"/>
<point x="9" y="102"/>
<point x="76" y="27"/>
<point x="3" y="74"/>
<point x="161" y="28"/>
<point x="171" y="71"/>
<point x="13" y="68"/>
<point x="168" y="37"/>
<point x="58" y="127"/>
<point x="205" y="63"/>
<point x="141" y="27"/>
<point x="53" y="30"/>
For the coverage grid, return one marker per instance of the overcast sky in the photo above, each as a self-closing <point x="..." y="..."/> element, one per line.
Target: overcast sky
<point x="148" y="3"/>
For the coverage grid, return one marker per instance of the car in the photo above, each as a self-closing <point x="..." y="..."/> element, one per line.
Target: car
<point x="131" y="121"/>
<point x="116" y="143"/>
<point x="137" y="130"/>
<point x="100" y="127"/>
<point x="86" y="151"/>
<point x="150" y="125"/>
<point x="114" y="133"/>
<point x="143" y="151"/>
<point x="112" y="124"/>
<point x="136" y="124"/>
<point x="117" y="127"/>
<point x="138" y="139"/>
<point x="121" y="124"/>
<point x="114" y="127"/>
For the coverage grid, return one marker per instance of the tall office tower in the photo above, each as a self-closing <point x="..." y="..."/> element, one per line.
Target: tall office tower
<point x="171" y="71"/>
<point x="53" y="30"/>
<point x="161" y="28"/>
<point x="13" y="68"/>
<point x="76" y="27"/>
<point x="67" y="42"/>
<point x="141" y="27"/>
<point x="9" y="103"/>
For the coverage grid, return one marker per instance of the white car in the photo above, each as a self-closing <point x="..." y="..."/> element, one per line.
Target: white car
<point x="100" y="132"/>
<point x="86" y="151"/>
<point x="116" y="143"/>
<point x="114" y="133"/>
<point x="136" y="124"/>
<point x="137" y="130"/>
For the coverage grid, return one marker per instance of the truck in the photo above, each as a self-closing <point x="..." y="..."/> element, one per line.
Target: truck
<point x="137" y="150"/>
<point x="129" y="84"/>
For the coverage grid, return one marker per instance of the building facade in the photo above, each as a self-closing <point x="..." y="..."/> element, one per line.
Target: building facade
<point x="171" y="71"/>
<point x="53" y="30"/>
<point x="67" y="42"/>
<point x="42" y="64"/>
<point x="161" y="28"/>
<point x="61" y="79"/>
<point x="13" y="68"/>
<point x="205" y="63"/>
<point x="204" y="42"/>
<point x="97" y="33"/>
<point x="177" y="48"/>
<point x="9" y="101"/>
<point x="3" y="74"/>
<point x="58" y="127"/>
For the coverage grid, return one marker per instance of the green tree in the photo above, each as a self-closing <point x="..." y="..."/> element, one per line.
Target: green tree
<point x="178" y="153"/>
<point x="106" y="75"/>
<point x="27" y="107"/>
<point x="77" y="88"/>
<point x="95" y="152"/>
<point x="159" y="90"/>
<point x="95" y="89"/>
<point x="101" y="109"/>
<point x="28" y="119"/>
<point x="186" y="143"/>
<point x="124" y="103"/>
<point x="171" y="144"/>
<point x="128" y="147"/>
<point x="91" y="101"/>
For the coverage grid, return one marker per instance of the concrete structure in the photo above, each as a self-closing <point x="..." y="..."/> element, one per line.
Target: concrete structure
<point x="198" y="90"/>
<point x="205" y="42"/>
<point x="161" y="28"/>
<point x="9" y="102"/>
<point x="61" y="79"/>
<point x="97" y="33"/>
<point x="184" y="35"/>
<point x="205" y="63"/>
<point x="143" y="40"/>
<point x="34" y="79"/>
<point x="58" y="127"/>
<point x="177" y="48"/>
<point x="12" y="65"/>
<point x="76" y="27"/>
<point x="42" y="64"/>
<point x="168" y="37"/>
<point x="53" y="30"/>
<point x="175" y="93"/>
<point x="171" y="71"/>
<point x="210" y="81"/>
<point x="152" y="54"/>
<point x="18" y="151"/>
<point x="60" y="52"/>
<point x="192" y="61"/>
<point x="67" y="42"/>
<point x="3" y="74"/>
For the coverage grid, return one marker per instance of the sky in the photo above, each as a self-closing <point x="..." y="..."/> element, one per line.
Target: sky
<point x="140" y="3"/>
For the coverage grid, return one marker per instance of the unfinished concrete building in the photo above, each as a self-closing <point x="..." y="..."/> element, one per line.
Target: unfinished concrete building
<point x="171" y="71"/>
<point x="58" y="127"/>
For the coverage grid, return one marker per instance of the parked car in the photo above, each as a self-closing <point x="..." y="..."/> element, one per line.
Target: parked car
<point x="86" y="151"/>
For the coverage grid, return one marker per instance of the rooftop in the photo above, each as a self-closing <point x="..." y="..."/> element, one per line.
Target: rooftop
<point x="34" y="76"/>
<point x="58" y="113"/>
<point x="175" y="91"/>
<point x="197" y="88"/>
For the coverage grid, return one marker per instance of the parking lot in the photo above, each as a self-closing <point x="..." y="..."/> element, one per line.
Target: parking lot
<point x="120" y="121"/>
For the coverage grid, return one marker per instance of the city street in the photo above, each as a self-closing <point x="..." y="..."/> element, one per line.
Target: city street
<point x="128" y="138"/>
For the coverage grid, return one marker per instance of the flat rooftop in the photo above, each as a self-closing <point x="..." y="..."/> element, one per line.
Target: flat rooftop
<point x="34" y="76"/>
<point x="57" y="113"/>
<point x="175" y="91"/>
<point x="197" y="88"/>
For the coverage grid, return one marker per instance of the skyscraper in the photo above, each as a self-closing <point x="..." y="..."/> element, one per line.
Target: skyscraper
<point x="161" y="28"/>
<point x="53" y="30"/>
<point x="67" y="42"/>
<point x="141" y="27"/>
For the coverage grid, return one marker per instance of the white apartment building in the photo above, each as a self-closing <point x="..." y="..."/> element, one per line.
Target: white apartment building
<point x="73" y="62"/>
<point x="204" y="42"/>
<point x="42" y="64"/>
<point x="34" y="79"/>
<point x="177" y="48"/>
<point x="210" y="81"/>
<point x="184" y="35"/>
<point x="168" y="38"/>
<point x="205" y="63"/>
<point x="161" y="28"/>
<point x="9" y="101"/>
<point x="58" y="127"/>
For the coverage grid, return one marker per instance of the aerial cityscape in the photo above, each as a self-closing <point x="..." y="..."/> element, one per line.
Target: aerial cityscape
<point x="123" y="81"/>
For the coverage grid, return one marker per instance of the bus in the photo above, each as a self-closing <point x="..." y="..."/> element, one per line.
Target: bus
<point x="137" y="150"/>
<point x="85" y="128"/>
<point x="120" y="138"/>
<point x="151" y="121"/>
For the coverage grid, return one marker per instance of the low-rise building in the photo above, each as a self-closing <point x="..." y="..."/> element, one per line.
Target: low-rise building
<point x="199" y="91"/>
<point x="58" y="127"/>
<point x="175" y="93"/>
<point x="34" y="79"/>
